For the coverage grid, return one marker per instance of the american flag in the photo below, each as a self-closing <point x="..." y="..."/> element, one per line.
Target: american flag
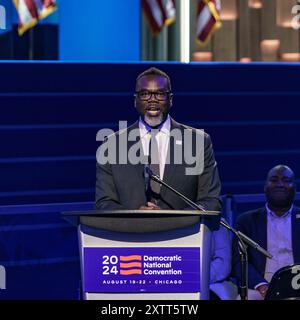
<point x="159" y="13"/>
<point x="31" y="11"/>
<point x="208" y="19"/>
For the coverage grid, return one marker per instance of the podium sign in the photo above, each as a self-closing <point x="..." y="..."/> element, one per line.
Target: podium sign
<point x="146" y="269"/>
<point x="145" y="254"/>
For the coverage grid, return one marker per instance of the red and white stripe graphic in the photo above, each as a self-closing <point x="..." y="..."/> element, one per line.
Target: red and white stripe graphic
<point x="208" y="19"/>
<point x="130" y="265"/>
<point x="31" y="11"/>
<point x="159" y="13"/>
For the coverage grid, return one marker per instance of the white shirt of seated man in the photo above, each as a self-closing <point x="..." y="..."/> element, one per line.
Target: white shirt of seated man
<point x="279" y="237"/>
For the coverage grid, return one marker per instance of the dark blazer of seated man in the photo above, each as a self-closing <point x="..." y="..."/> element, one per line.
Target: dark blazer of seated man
<point x="275" y="227"/>
<point x="122" y="186"/>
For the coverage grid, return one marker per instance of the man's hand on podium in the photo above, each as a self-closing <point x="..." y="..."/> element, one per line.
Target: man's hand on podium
<point x="150" y="206"/>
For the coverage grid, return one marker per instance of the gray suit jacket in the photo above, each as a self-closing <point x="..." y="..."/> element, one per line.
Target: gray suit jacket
<point x="220" y="266"/>
<point x="122" y="186"/>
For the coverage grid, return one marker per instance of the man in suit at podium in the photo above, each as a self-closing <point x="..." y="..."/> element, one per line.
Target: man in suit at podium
<point x="165" y="143"/>
<point x="275" y="227"/>
<point x="126" y="185"/>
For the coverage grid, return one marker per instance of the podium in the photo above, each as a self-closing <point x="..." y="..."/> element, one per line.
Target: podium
<point x="145" y="254"/>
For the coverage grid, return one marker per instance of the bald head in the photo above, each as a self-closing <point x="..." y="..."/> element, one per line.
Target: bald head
<point x="282" y="168"/>
<point x="280" y="188"/>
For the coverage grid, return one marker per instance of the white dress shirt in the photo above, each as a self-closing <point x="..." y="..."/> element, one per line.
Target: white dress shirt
<point x="162" y="138"/>
<point x="279" y="230"/>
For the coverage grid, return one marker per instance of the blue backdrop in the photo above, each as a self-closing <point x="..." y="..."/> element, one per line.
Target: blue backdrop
<point x="99" y="30"/>
<point x="51" y="112"/>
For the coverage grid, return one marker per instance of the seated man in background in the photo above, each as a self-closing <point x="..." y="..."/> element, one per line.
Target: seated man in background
<point x="275" y="227"/>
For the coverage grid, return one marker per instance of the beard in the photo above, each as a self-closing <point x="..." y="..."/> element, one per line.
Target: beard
<point x="154" y="121"/>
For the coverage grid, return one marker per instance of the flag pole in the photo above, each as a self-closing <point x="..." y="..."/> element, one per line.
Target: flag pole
<point x="184" y="31"/>
<point x="31" y="44"/>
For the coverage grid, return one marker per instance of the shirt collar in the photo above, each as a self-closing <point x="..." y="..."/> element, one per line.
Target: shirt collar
<point x="165" y="127"/>
<point x="274" y="215"/>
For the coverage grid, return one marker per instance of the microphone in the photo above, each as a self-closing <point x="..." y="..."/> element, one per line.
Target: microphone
<point x="196" y="206"/>
<point x="157" y="179"/>
<point x="150" y="174"/>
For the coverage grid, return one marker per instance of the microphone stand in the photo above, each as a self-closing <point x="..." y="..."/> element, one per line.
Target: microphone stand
<point x="243" y="240"/>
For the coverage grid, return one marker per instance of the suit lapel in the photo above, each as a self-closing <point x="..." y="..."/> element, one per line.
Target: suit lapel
<point x="262" y="235"/>
<point x="170" y="171"/>
<point x="136" y="171"/>
<point x="263" y="228"/>
<point x="295" y="234"/>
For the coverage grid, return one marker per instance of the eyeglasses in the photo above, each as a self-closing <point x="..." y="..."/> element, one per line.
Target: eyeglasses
<point x="159" y="95"/>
